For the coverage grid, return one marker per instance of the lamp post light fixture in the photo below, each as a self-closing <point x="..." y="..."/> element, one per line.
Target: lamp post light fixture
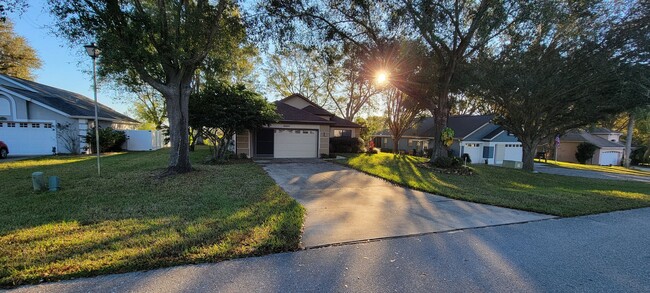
<point x="93" y="51"/>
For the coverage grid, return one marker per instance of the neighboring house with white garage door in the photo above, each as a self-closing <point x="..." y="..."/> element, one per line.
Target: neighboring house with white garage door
<point x="303" y="131"/>
<point x="37" y="119"/>
<point x="610" y="150"/>
<point x="474" y="135"/>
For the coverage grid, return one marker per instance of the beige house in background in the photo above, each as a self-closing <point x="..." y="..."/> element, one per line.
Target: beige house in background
<point x="304" y="131"/>
<point x="610" y="150"/>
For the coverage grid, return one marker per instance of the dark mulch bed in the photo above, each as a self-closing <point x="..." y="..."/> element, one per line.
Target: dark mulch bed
<point x="461" y="170"/>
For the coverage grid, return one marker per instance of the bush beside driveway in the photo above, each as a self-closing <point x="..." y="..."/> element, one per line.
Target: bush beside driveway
<point x="129" y="220"/>
<point x="518" y="189"/>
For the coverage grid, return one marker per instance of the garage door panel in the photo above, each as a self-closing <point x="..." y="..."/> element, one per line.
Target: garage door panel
<point x="609" y="158"/>
<point x="295" y="143"/>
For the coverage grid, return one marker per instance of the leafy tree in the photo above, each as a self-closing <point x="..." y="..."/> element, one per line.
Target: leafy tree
<point x="164" y="42"/>
<point x="585" y="151"/>
<point x="298" y="70"/>
<point x="449" y="31"/>
<point x="17" y="58"/>
<point x="221" y="110"/>
<point x="346" y="85"/>
<point x="371" y="126"/>
<point x="11" y="6"/>
<point x="401" y="114"/>
<point x="553" y="75"/>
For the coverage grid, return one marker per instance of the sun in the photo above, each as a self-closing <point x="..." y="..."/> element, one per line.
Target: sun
<point x="381" y="77"/>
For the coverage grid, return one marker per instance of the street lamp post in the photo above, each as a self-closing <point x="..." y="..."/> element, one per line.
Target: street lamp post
<point x="93" y="52"/>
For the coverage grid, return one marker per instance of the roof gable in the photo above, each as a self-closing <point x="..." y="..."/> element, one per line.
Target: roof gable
<point x="292" y="114"/>
<point x="583" y="136"/>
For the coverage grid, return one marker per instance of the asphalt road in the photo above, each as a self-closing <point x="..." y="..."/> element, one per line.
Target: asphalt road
<point x="600" y="253"/>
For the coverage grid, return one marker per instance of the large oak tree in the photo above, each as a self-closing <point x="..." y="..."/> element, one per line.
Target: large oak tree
<point x="451" y="31"/>
<point x="163" y="41"/>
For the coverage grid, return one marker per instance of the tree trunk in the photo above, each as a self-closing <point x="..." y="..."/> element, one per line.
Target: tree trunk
<point x="440" y="116"/>
<point x="177" y="109"/>
<point x="529" y="148"/>
<point x="396" y="145"/>
<point x="628" y="141"/>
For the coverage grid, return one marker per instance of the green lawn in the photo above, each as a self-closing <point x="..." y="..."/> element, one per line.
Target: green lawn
<point x="131" y="220"/>
<point x="543" y="193"/>
<point x="607" y="169"/>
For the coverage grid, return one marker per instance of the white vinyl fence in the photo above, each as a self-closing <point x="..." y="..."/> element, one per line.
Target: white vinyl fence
<point x="30" y="138"/>
<point x="143" y="140"/>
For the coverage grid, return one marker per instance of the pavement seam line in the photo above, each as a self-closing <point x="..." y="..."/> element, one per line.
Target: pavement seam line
<point x="378" y="239"/>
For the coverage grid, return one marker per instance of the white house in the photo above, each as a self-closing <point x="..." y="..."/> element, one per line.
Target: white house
<point x="474" y="135"/>
<point x="37" y="119"/>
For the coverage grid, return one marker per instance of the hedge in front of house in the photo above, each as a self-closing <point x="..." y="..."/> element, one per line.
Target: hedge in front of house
<point x="346" y="145"/>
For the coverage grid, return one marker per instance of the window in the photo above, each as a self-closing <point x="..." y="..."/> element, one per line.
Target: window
<point x="342" y="133"/>
<point x="11" y="124"/>
<point x="1" y="124"/>
<point x="23" y="125"/>
<point x="36" y="125"/>
<point x="47" y="125"/>
<point x="472" y="145"/>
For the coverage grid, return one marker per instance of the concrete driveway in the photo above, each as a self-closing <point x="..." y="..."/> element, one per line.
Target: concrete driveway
<point x="344" y="205"/>
<point x="548" y="169"/>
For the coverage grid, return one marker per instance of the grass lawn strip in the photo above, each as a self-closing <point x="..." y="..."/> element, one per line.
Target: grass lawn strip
<point x="543" y="193"/>
<point x="129" y="220"/>
<point x="606" y="169"/>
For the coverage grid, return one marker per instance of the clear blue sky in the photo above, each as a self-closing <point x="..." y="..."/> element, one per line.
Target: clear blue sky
<point x="62" y="66"/>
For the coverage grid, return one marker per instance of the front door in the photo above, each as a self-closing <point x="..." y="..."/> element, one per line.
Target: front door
<point x="264" y="144"/>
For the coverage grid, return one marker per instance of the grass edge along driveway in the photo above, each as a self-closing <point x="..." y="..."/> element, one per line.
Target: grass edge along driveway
<point x="543" y="193"/>
<point x="129" y="220"/>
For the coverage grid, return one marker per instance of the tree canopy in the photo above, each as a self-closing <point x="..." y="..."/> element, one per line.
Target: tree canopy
<point x="220" y="110"/>
<point x="164" y="42"/>
<point x="17" y="58"/>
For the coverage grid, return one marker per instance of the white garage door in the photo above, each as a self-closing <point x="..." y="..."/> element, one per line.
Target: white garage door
<point x="475" y="152"/>
<point x="293" y="143"/>
<point x="609" y="158"/>
<point x="513" y="152"/>
<point x="28" y="138"/>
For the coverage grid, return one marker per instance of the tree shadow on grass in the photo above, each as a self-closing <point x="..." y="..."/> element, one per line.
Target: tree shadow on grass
<point x="221" y="212"/>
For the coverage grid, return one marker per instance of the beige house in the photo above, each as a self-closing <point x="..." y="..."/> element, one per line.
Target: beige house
<point x="610" y="149"/>
<point x="304" y="131"/>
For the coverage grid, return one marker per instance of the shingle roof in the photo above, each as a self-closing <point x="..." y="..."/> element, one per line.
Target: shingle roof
<point x="493" y="134"/>
<point x="602" y="130"/>
<point x="67" y="102"/>
<point x="292" y="114"/>
<point x="317" y="111"/>
<point x="340" y="122"/>
<point x="583" y="136"/>
<point x="466" y="124"/>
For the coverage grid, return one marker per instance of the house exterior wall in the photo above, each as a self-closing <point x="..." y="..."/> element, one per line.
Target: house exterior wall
<point x="354" y="131"/>
<point x="566" y="152"/>
<point x="297" y="103"/>
<point x="324" y="139"/>
<point x="6" y="107"/>
<point x="243" y="143"/>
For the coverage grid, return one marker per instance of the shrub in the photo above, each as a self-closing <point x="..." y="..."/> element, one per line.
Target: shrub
<point x="346" y="145"/>
<point x="447" y="162"/>
<point x="110" y="140"/>
<point x="243" y="156"/>
<point x="324" y="156"/>
<point x="585" y="152"/>
<point x="465" y="158"/>
<point x="638" y="156"/>
<point x="372" y="151"/>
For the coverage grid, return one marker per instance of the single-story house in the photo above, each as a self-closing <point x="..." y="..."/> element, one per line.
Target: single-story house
<point x="474" y="135"/>
<point x="610" y="150"/>
<point x="36" y="119"/>
<point x="304" y="131"/>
